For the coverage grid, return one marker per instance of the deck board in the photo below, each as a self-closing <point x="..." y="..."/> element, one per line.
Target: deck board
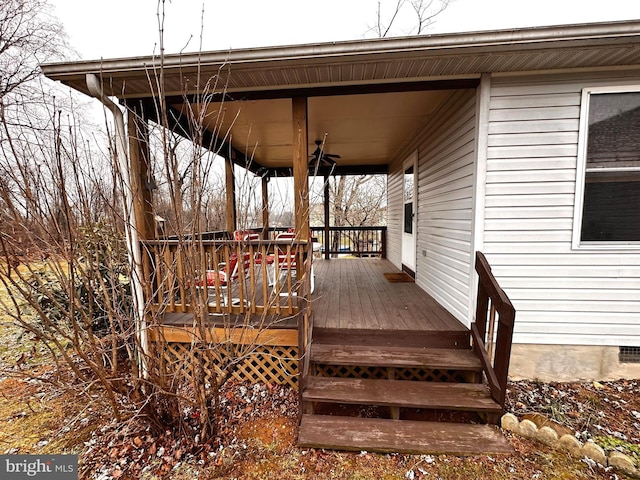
<point x="354" y="294"/>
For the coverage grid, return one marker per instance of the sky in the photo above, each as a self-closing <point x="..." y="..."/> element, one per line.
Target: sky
<point x="128" y="28"/>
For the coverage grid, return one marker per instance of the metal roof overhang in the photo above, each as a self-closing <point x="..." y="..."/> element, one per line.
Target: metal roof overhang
<point x="367" y="96"/>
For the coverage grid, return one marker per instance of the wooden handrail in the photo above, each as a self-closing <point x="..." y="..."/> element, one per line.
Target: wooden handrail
<point x="357" y="241"/>
<point x="493" y="305"/>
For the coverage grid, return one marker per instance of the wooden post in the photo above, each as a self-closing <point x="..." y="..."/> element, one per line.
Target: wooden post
<point x="265" y="208"/>
<point x="327" y="241"/>
<point x="231" y="196"/>
<point x="300" y="167"/>
<point x="140" y="170"/>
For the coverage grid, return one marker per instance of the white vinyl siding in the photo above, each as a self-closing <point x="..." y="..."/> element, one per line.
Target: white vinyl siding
<point x="446" y="154"/>
<point x="394" y="214"/>
<point x="561" y="295"/>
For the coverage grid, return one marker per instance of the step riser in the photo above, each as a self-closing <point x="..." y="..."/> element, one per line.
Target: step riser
<point x="382" y="338"/>
<point x="408" y="374"/>
<point x="382" y="405"/>
<point x="413" y="414"/>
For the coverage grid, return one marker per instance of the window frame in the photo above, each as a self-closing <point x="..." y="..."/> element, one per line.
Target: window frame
<point x="581" y="173"/>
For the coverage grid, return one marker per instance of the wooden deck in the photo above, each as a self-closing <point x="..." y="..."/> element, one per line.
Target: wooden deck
<point x="353" y="294"/>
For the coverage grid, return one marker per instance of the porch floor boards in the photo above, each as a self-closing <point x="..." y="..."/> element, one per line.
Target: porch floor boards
<point x="353" y="294"/>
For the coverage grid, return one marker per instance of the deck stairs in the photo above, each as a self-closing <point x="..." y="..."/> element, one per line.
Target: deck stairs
<point x="401" y="391"/>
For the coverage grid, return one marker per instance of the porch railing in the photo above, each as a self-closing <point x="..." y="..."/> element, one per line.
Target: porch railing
<point x="492" y="332"/>
<point x="355" y="241"/>
<point x="227" y="277"/>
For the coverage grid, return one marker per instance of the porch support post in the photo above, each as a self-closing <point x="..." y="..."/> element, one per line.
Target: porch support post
<point x="231" y="196"/>
<point x="141" y="176"/>
<point x="300" y="167"/>
<point x="265" y="208"/>
<point x="327" y="241"/>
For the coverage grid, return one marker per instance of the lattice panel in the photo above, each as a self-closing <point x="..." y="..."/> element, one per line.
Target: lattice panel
<point x="427" y="375"/>
<point x="267" y="364"/>
<point x="346" y="371"/>
<point x="417" y="374"/>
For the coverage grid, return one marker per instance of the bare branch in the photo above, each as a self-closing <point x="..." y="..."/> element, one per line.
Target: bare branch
<point x="416" y="21"/>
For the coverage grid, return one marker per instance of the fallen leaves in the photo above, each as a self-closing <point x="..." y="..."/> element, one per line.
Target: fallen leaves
<point x="128" y="449"/>
<point x="589" y="408"/>
<point x="256" y="437"/>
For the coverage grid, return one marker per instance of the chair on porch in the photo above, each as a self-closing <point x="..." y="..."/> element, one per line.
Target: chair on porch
<point x="287" y="262"/>
<point x="225" y="278"/>
<point x="258" y="258"/>
<point x="239" y="235"/>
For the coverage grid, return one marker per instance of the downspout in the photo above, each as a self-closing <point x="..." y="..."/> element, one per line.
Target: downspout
<point x="133" y="241"/>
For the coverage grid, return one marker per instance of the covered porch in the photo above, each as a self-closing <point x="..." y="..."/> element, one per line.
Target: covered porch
<point x="263" y="306"/>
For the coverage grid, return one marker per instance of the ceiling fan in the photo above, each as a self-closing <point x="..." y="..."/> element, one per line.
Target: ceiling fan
<point x="320" y="159"/>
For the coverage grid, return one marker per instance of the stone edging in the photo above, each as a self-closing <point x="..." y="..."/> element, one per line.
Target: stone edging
<point x="548" y="436"/>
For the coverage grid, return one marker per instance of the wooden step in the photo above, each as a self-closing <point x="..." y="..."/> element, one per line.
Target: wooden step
<point x="398" y="357"/>
<point x="401" y="393"/>
<point x="400" y="436"/>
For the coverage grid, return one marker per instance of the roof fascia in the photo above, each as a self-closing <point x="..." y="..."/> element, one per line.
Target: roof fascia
<point x="510" y="39"/>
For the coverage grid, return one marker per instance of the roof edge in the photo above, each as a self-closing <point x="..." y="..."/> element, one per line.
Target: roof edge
<point x="443" y="41"/>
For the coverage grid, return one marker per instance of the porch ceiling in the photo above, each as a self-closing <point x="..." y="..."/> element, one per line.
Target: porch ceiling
<point x="364" y="129"/>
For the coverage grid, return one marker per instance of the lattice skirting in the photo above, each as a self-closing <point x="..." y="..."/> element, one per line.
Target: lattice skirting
<point x="263" y="364"/>
<point x="418" y="374"/>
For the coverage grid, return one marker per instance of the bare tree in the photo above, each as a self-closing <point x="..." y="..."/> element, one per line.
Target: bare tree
<point x="357" y="201"/>
<point x="414" y="16"/>
<point x="29" y="36"/>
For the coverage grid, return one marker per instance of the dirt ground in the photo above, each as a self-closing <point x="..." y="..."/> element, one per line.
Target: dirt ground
<point x="256" y="438"/>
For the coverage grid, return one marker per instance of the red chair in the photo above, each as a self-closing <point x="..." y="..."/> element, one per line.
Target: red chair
<point x="227" y="276"/>
<point x="242" y="234"/>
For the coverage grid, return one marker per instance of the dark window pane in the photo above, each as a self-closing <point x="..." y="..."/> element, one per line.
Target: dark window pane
<point x="408" y="217"/>
<point x="611" y="210"/>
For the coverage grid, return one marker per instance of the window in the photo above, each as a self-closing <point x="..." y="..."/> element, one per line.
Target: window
<point x="408" y="200"/>
<point x="609" y="169"/>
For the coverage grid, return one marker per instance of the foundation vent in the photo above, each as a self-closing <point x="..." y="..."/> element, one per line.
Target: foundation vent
<point x="629" y="355"/>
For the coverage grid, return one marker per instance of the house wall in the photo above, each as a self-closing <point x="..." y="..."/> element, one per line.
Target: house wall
<point x="446" y="153"/>
<point x="563" y="296"/>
